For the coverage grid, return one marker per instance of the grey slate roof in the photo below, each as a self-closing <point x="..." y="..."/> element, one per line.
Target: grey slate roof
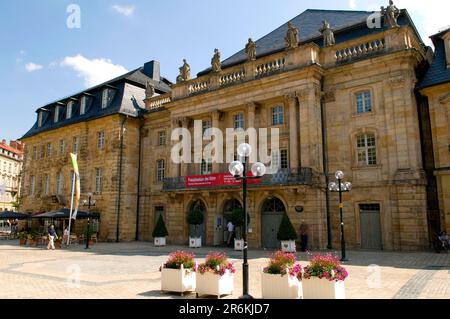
<point x="438" y="72"/>
<point x="126" y="98"/>
<point x="346" y="24"/>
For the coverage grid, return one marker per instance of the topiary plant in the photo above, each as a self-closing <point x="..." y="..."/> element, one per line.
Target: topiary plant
<point x="238" y="219"/>
<point x="286" y="231"/>
<point x="160" y="228"/>
<point x="195" y="217"/>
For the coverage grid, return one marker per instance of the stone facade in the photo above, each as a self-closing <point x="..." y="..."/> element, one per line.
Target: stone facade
<point x="11" y="157"/>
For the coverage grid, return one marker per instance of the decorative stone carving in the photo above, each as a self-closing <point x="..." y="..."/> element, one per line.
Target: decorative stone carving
<point x="291" y="39"/>
<point x="185" y="72"/>
<point x="328" y="34"/>
<point x="149" y="90"/>
<point x="329" y="97"/>
<point x="390" y="14"/>
<point x="250" y="50"/>
<point x="215" y="62"/>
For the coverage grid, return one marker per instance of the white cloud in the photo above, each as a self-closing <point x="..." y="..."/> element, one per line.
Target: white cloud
<point x="352" y="4"/>
<point x="93" y="71"/>
<point x="31" y="67"/>
<point x="125" y="10"/>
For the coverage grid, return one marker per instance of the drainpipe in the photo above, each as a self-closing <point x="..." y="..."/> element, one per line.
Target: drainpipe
<point x="325" y="167"/>
<point x="119" y="196"/>
<point x="138" y="199"/>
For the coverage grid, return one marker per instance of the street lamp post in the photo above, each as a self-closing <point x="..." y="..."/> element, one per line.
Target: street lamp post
<point x="239" y="170"/>
<point x="88" y="203"/>
<point x="341" y="187"/>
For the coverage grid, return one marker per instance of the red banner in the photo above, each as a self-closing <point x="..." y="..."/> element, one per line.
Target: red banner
<point x="215" y="180"/>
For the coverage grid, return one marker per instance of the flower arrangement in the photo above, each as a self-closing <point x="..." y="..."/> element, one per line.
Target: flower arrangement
<point x="325" y="266"/>
<point x="178" y="258"/>
<point x="281" y="263"/>
<point x="216" y="263"/>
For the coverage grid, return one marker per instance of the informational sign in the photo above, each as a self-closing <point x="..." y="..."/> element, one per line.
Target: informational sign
<point x="215" y="180"/>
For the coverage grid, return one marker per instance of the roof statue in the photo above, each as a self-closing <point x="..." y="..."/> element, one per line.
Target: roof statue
<point x="215" y="61"/>
<point x="327" y="33"/>
<point x="390" y="14"/>
<point x="291" y="39"/>
<point x="185" y="72"/>
<point x="250" y="50"/>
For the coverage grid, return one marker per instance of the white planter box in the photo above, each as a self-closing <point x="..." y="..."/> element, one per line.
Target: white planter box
<point x="315" y="288"/>
<point x="288" y="246"/>
<point x="238" y="244"/>
<point x="215" y="285"/>
<point x="177" y="280"/>
<point x="160" y="241"/>
<point x="195" y="242"/>
<point x="281" y="287"/>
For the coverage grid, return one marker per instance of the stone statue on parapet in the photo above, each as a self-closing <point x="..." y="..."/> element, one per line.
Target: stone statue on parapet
<point x="291" y="39"/>
<point x="390" y="14"/>
<point x="185" y="72"/>
<point x="328" y="34"/>
<point x="215" y="61"/>
<point x="250" y="50"/>
<point x="149" y="90"/>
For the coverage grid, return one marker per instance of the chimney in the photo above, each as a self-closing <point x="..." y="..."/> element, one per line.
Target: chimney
<point x="152" y="69"/>
<point x="4" y="141"/>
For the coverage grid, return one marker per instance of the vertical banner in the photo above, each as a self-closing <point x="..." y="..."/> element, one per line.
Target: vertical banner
<point x="77" y="184"/>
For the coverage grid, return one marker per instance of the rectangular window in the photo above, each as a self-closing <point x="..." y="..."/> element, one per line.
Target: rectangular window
<point x="206" y="125"/>
<point x="59" y="183"/>
<point x="32" y="185"/>
<point x="83" y="105"/>
<point x="42" y="151"/>
<point x="162" y="138"/>
<point x="105" y="94"/>
<point x="56" y="114"/>
<point x="46" y="185"/>
<point x="69" y="110"/>
<point x="238" y="120"/>
<point x="9" y="168"/>
<point x="100" y="140"/>
<point x="98" y="180"/>
<point x="284" y="160"/>
<point x="34" y="153"/>
<point x="40" y="116"/>
<point x="62" y="147"/>
<point x="75" y="143"/>
<point x="206" y="167"/>
<point x="363" y="102"/>
<point x="366" y="149"/>
<point x="160" y="170"/>
<point x="277" y="115"/>
<point x="49" y="149"/>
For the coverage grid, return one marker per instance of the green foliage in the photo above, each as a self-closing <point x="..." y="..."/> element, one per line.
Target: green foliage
<point x="195" y="216"/>
<point x="91" y="230"/>
<point x="238" y="217"/>
<point x="160" y="228"/>
<point x="22" y="235"/>
<point x="286" y="231"/>
<point x="33" y="234"/>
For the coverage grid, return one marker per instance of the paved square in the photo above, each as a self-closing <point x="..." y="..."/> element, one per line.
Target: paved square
<point x="131" y="270"/>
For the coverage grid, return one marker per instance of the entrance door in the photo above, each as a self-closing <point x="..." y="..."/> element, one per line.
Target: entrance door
<point x="228" y="209"/>
<point x="370" y="226"/>
<point x="271" y="214"/>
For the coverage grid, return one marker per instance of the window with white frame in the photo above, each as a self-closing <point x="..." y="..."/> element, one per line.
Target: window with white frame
<point x="56" y="119"/>
<point x="100" y="139"/>
<point x="75" y="144"/>
<point x="206" y="167"/>
<point x="42" y="155"/>
<point x="105" y="96"/>
<point x="49" y="149"/>
<point x="62" y="147"/>
<point x="161" y="138"/>
<point x="366" y="149"/>
<point x="82" y="105"/>
<point x="160" y="170"/>
<point x="98" y="180"/>
<point x="46" y="184"/>
<point x="239" y="121"/>
<point x="206" y="125"/>
<point x="69" y="110"/>
<point x="277" y="115"/>
<point x="363" y="102"/>
<point x="59" y="183"/>
<point x="32" y="185"/>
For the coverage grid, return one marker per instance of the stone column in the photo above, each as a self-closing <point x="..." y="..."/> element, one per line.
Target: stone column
<point x="185" y="166"/>
<point x="215" y="117"/>
<point x="251" y="109"/>
<point x="174" y="168"/>
<point x="293" y="131"/>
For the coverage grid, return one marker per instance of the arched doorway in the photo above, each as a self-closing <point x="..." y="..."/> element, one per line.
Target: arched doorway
<point x="200" y="230"/>
<point x="272" y="212"/>
<point x="228" y="208"/>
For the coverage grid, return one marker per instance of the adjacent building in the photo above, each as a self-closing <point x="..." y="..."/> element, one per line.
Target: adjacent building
<point x="11" y="156"/>
<point x="343" y="94"/>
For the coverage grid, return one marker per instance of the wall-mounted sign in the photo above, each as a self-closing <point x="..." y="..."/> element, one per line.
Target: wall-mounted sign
<point x="215" y="180"/>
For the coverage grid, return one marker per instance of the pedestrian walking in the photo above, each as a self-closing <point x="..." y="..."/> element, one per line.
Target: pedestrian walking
<point x="230" y="228"/>
<point x="51" y="238"/>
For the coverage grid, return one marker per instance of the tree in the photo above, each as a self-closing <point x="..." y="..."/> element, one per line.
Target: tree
<point x="238" y="220"/>
<point x="195" y="216"/>
<point x="286" y="231"/>
<point x="160" y="228"/>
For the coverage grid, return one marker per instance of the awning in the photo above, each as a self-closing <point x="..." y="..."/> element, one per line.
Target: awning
<point x="13" y="215"/>
<point x="64" y="213"/>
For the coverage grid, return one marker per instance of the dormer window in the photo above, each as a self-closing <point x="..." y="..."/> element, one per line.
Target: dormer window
<point x="83" y="105"/>
<point x="69" y="110"/>
<point x="40" y="117"/>
<point x="56" y="119"/>
<point x="105" y="96"/>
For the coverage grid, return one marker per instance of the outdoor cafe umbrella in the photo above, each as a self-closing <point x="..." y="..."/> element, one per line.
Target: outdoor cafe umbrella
<point x="64" y="213"/>
<point x="13" y="215"/>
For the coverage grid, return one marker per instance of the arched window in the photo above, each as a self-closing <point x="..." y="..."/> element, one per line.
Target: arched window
<point x="273" y="205"/>
<point x="366" y="149"/>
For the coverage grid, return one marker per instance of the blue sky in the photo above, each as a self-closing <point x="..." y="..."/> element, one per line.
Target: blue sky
<point x="42" y="60"/>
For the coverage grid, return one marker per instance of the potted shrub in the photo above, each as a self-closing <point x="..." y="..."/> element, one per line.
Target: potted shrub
<point x="32" y="238"/>
<point x="281" y="279"/>
<point x="287" y="235"/>
<point x="215" y="276"/>
<point x="195" y="217"/>
<point x="178" y="273"/>
<point x="324" y="278"/>
<point x="58" y="242"/>
<point x="160" y="232"/>
<point x="23" y="235"/>
<point x="238" y="220"/>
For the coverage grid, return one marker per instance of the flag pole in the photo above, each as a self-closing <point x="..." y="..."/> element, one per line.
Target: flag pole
<point x="71" y="207"/>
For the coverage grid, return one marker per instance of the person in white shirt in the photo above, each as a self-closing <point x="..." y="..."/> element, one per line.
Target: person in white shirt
<point x="230" y="228"/>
